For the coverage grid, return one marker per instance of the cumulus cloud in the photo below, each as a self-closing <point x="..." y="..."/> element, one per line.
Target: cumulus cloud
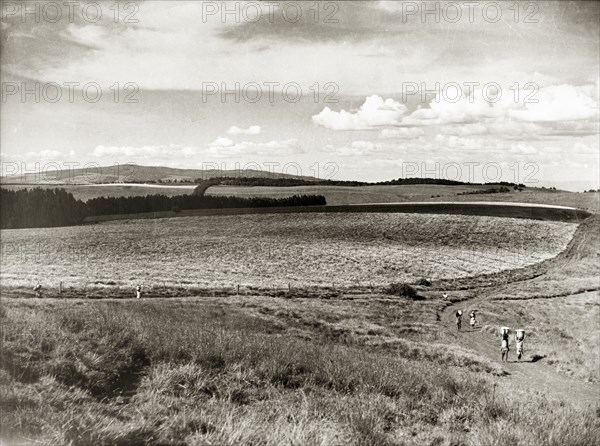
<point x="402" y="133"/>
<point x="224" y="147"/>
<point x="362" y="148"/>
<point x="44" y="155"/>
<point x="558" y="103"/>
<point x="144" y="152"/>
<point x="454" y="106"/>
<point x="491" y="146"/>
<point x="374" y="112"/>
<point x="523" y="149"/>
<point x="554" y="104"/>
<point x="458" y="142"/>
<point x="222" y="142"/>
<point x="580" y="148"/>
<point x="38" y="156"/>
<point x="503" y="128"/>
<point x="252" y="130"/>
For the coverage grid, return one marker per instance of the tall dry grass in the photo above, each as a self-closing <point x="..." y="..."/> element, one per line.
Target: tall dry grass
<point x="204" y="373"/>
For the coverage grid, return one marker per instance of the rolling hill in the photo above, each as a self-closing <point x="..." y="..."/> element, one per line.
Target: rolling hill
<point x="133" y="173"/>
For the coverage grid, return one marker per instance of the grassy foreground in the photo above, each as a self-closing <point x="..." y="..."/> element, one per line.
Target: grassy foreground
<point x="236" y="372"/>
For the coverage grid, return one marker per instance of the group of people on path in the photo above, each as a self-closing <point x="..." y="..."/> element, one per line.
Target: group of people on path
<point x="504" y="331"/>
<point x="472" y="319"/>
<point x="519" y="339"/>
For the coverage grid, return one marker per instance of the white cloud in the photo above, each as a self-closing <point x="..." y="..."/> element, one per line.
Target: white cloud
<point x="580" y="148"/>
<point x="374" y="112"/>
<point x="220" y="148"/>
<point x="558" y="103"/>
<point x="457" y="142"/>
<point x="523" y="149"/>
<point x="36" y="156"/>
<point x="554" y="104"/>
<point x="503" y="128"/>
<point x="363" y="148"/>
<point x="402" y="133"/>
<point x="252" y="130"/>
<point x="456" y="106"/>
<point x="87" y="34"/>
<point x="222" y="142"/>
<point x="224" y="147"/>
<point x="144" y="152"/>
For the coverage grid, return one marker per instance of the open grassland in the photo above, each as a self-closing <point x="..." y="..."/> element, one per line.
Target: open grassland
<point x="257" y="371"/>
<point x="301" y="250"/>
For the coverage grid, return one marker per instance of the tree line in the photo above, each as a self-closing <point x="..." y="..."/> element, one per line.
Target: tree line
<point x="291" y="182"/>
<point x="37" y="208"/>
<point x="161" y="203"/>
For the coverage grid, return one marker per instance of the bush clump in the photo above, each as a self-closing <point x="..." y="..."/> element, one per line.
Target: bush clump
<point x="402" y="290"/>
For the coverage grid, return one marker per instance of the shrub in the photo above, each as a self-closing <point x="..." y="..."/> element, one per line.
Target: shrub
<point x="402" y="290"/>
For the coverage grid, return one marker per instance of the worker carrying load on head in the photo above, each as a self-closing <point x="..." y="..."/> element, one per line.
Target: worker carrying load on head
<point x="519" y="338"/>
<point x="473" y="321"/>
<point x="504" y="349"/>
<point x="458" y="319"/>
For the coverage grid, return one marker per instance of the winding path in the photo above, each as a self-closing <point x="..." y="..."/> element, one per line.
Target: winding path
<point x="534" y="376"/>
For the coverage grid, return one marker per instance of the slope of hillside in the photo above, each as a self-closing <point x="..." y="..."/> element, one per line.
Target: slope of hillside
<point x="124" y="173"/>
<point x="558" y="305"/>
<point x="339" y="195"/>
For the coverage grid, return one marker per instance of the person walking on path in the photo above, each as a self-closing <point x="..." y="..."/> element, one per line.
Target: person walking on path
<point x="504" y="349"/>
<point x="458" y="319"/>
<point x="519" y="338"/>
<point x="473" y="320"/>
<point x="138" y="292"/>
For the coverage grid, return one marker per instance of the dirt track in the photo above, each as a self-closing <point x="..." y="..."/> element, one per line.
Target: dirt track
<point x="532" y="373"/>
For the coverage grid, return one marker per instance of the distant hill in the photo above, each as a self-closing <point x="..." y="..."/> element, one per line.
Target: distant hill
<point x="132" y="173"/>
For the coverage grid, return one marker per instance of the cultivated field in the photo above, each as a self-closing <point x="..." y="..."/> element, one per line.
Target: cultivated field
<point x="264" y="251"/>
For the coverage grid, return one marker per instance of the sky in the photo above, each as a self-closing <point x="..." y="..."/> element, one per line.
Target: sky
<point x="371" y="90"/>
